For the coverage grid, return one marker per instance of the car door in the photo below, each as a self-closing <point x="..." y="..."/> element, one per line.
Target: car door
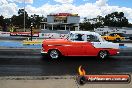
<point x="76" y="46"/>
<point x="112" y="37"/>
<point x="91" y="50"/>
<point x="98" y="44"/>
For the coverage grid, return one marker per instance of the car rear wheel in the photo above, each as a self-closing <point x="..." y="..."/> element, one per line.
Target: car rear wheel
<point x="54" y="54"/>
<point x="117" y="40"/>
<point x="103" y="54"/>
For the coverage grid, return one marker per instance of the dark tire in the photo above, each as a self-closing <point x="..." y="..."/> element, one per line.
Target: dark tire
<point x="54" y="54"/>
<point x="103" y="54"/>
<point x="117" y="40"/>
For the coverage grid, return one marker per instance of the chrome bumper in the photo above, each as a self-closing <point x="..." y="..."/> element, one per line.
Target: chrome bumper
<point x="117" y="53"/>
<point x="42" y="52"/>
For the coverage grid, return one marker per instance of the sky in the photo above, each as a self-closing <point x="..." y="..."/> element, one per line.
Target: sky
<point x="84" y="8"/>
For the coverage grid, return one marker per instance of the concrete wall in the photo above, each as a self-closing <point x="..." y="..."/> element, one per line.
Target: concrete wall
<point x="50" y="19"/>
<point x="54" y="34"/>
<point x="4" y="34"/>
<point x="73" y="19"/>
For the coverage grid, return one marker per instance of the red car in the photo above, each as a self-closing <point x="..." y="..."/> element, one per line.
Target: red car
<point x="79" y="43"/>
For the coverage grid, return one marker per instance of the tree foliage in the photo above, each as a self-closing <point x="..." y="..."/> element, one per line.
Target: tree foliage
<point x="90" y="24"/>
<point x="115" y="19"/>
<point x="19" y="20"/>
<point x="1" y="20"/>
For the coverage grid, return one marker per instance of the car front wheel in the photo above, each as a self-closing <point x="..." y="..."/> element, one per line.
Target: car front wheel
<point x="54" y="54"/>
<point x="103" y="54"/>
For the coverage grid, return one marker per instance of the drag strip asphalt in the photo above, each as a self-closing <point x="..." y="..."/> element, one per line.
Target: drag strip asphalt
<point x="29" y="62"/>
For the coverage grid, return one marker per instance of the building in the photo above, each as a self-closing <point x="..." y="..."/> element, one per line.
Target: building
<point x="107" y="30"/>
<point x="61" y="21"/>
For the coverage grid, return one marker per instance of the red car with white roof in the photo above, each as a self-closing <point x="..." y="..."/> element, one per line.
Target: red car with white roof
<point x="79" y="43"/>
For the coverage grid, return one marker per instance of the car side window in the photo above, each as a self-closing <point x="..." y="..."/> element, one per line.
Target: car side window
<point x="92" y="38"/>
<point x="79" y="37"/>
<point x="71" y="36"/>
<point x="112" y="34"/>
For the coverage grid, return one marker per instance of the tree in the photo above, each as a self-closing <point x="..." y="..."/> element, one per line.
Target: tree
<point x="1" y="20"/>
<point x="36" y="20"/>
<point x="90" y="24"/>
<point x="130" y="25"/>
<point x="99" y="22"/>
<point x="20" y="18"/>
<point x="7" y="21"/>
<point x="14" y="20"/>
<point x="86" y="25"/>
<point x="116" y="19"/>
<point x="3" y="23"/>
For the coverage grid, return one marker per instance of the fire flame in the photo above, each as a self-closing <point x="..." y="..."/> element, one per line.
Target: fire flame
<point x="81" y="71"/>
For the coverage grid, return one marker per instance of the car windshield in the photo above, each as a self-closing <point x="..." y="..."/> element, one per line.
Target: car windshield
<point x="121" y="34"/>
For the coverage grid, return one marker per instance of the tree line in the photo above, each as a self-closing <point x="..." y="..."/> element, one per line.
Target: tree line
<point x="115" y="19"/>
<point x="18" y="21"/>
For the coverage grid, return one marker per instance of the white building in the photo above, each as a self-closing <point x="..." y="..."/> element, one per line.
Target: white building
<point x="61" y="21"/>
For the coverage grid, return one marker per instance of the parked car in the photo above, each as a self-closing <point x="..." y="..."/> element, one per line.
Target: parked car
<point x="79" y="43"/>
<point x="114" y="37"/>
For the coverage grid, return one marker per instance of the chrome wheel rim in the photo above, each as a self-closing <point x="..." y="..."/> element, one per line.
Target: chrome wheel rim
<point x="54" y="54"/>
<point x="103" y="54"/>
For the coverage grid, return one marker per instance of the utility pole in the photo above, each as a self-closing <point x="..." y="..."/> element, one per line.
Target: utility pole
<point x="31" y="31"/>
<point x="24" y="17"/>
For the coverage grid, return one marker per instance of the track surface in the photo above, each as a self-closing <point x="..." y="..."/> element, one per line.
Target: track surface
<point x="28" y="62"/>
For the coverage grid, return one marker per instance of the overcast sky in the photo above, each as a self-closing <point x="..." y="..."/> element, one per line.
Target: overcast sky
<point x="85" y="8"/>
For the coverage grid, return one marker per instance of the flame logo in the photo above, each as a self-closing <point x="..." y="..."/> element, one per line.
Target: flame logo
<point x="81" y="71"/>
